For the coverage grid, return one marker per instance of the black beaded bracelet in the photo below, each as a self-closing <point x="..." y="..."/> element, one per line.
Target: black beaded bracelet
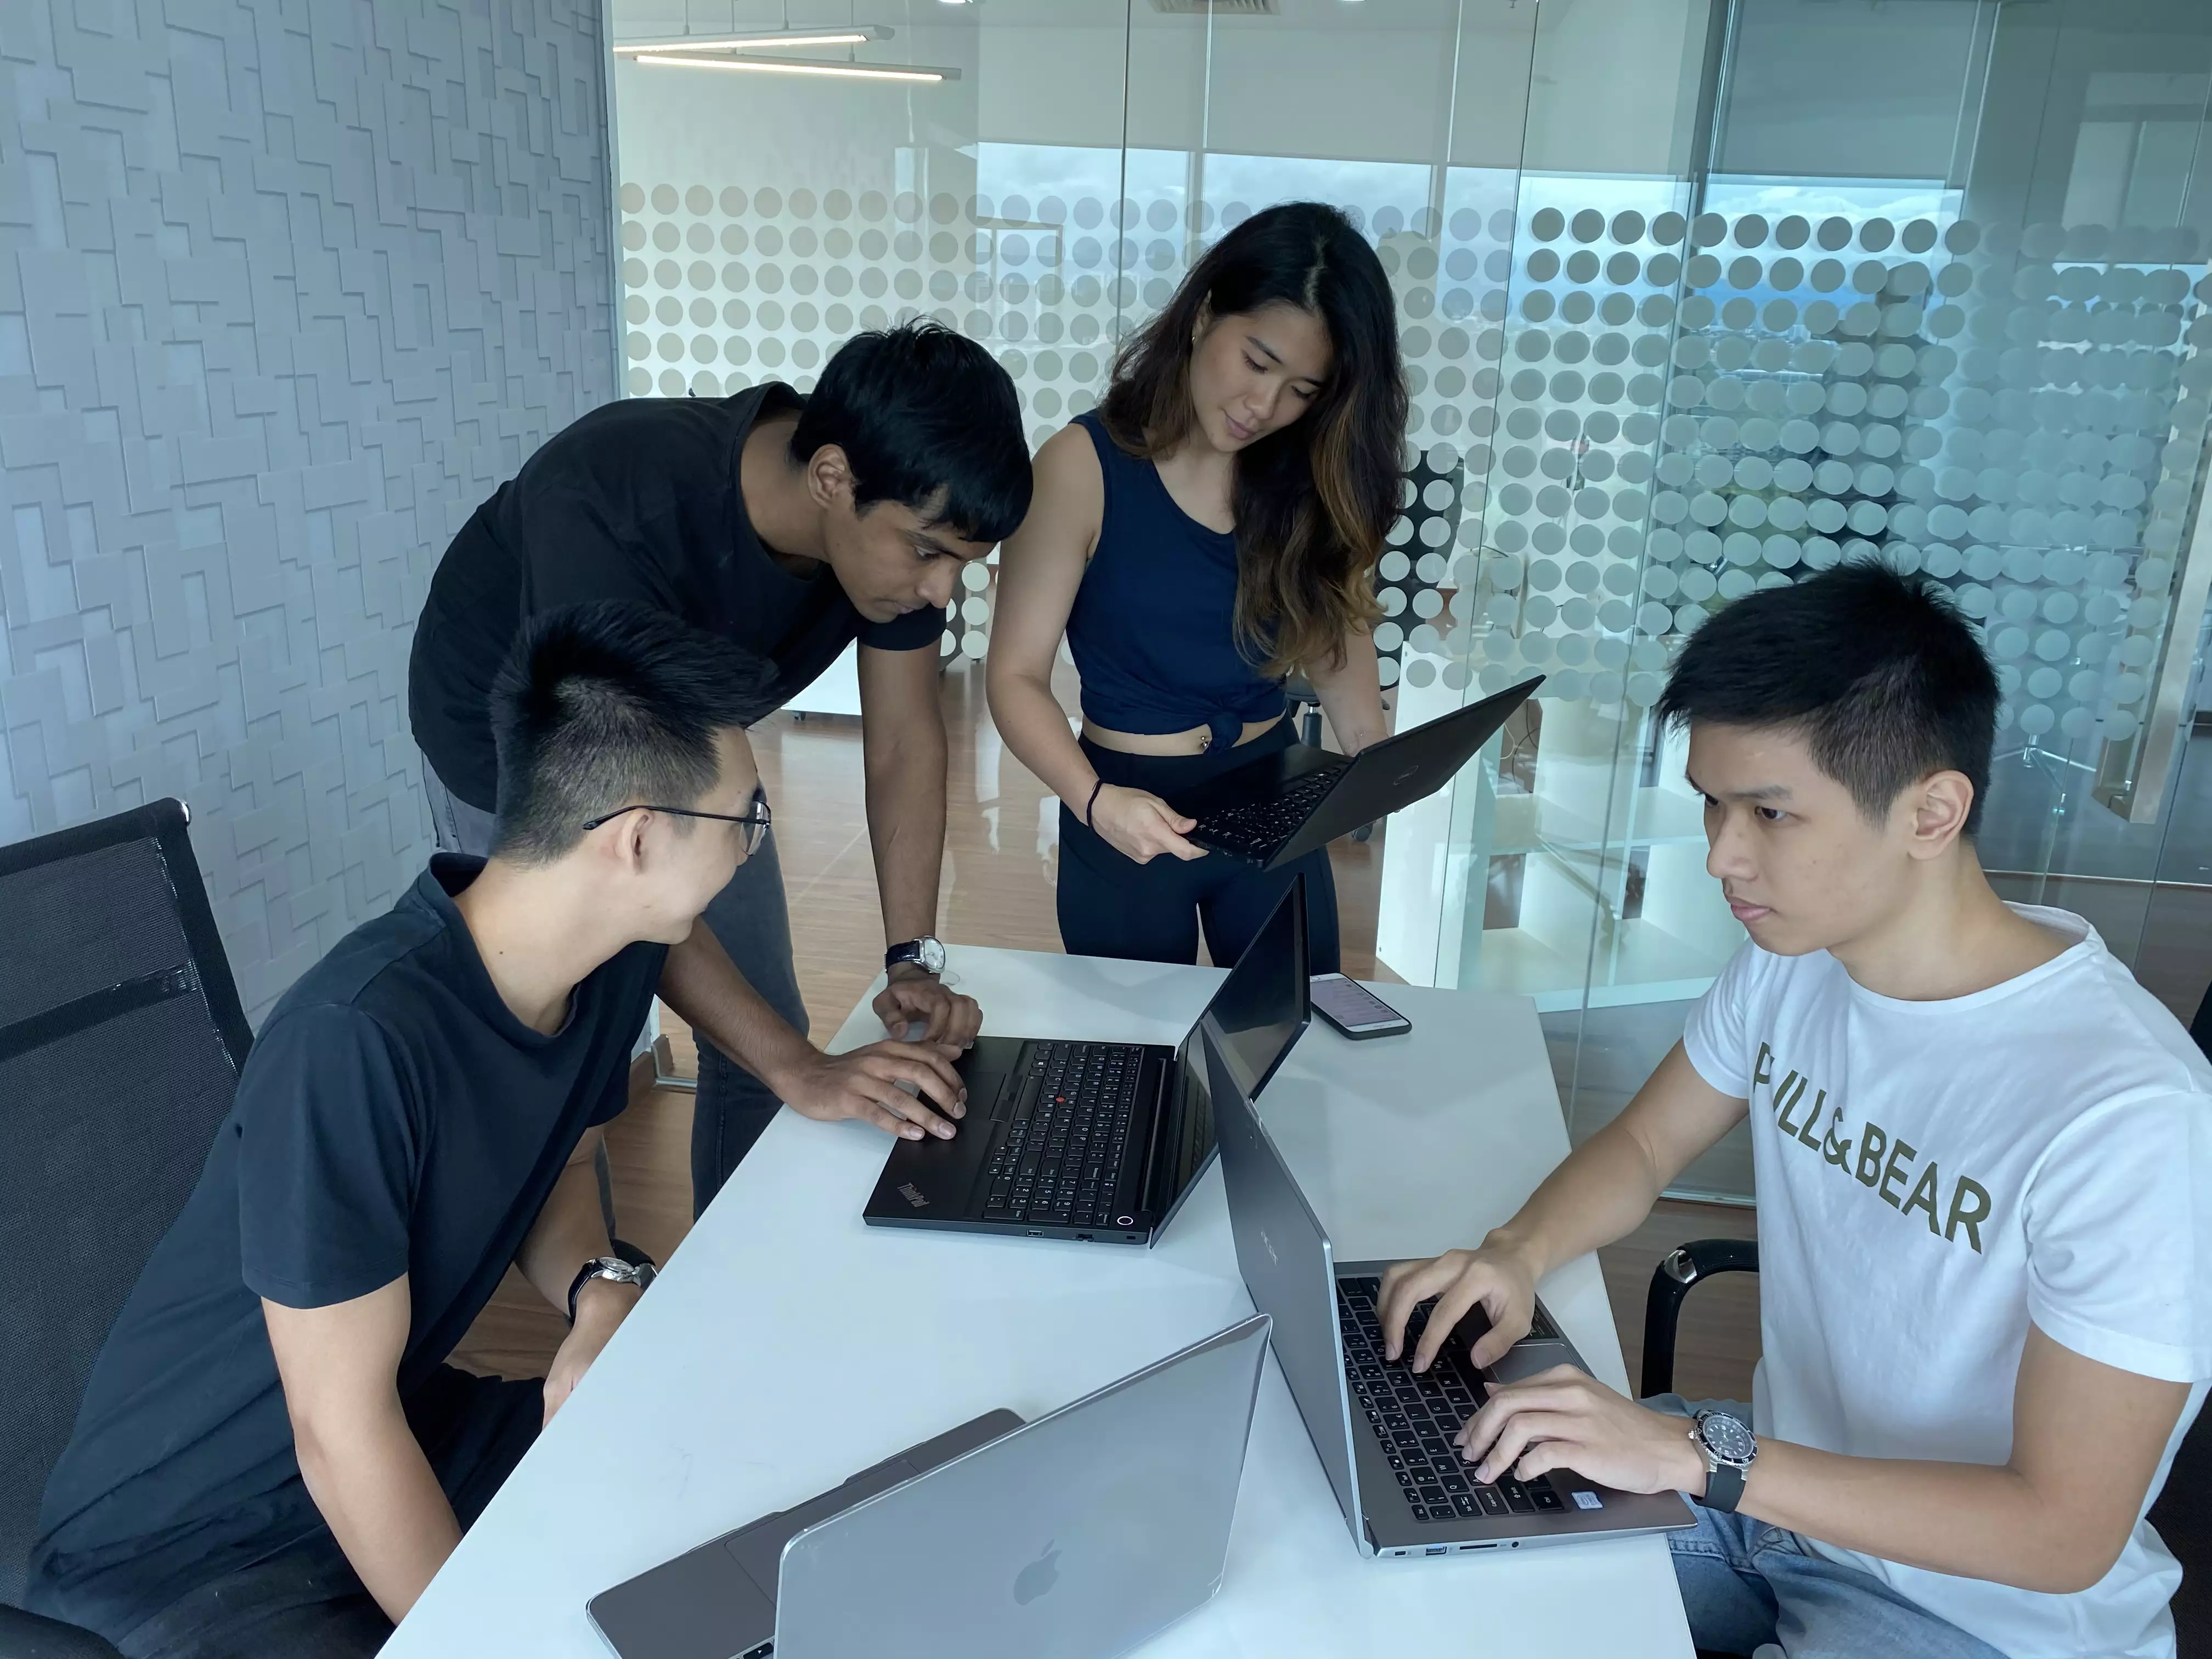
<point x="1092" y="802"/>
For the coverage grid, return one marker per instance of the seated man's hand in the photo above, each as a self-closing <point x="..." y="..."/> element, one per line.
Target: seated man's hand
<point x="1496" y="1276"/>
<point x="601" y="1305"/>
<point x="912" y="996"/>
<point x="893" y="1085"/>
<point x="1564" y="1419"/>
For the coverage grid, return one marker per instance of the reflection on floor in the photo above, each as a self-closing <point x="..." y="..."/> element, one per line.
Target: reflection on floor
<point x="1001" y="854"/>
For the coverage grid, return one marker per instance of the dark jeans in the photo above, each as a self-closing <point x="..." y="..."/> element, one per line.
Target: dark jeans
<point x="1112" y="906"/>
<point x="753" y="923"/>
<point x="302" y="1599"/>
<point x="751" y="919"/>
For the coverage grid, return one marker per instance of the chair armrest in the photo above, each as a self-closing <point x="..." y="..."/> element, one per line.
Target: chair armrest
<point x="27" y="1636"/>
<point x="1671" y="1280"/>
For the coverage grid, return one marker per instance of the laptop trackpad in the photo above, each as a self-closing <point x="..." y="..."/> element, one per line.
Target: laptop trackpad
<point x="1525" y="1359"/>
<point x="759" y="1548"/>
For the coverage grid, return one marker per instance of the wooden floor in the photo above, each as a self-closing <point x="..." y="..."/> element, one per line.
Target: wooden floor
<point x="1001" y="854"/>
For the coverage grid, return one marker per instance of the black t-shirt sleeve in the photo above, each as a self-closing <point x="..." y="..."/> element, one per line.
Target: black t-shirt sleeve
<point x="328" y="1148"/>
<point x="909" y="633"/>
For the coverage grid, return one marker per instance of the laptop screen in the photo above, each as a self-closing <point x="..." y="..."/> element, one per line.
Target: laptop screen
<point x="1255" y="1018"/>
<point x="1262" y="1006"/>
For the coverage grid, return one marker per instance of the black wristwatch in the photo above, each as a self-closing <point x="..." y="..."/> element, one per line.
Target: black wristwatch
<point x="927" y="953"/>
<point x="1729" y="1448"/>
<point x="640" y="1273"/>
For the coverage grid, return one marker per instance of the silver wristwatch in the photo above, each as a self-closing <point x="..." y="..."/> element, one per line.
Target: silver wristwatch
<point x="639" y="1273"/>
<point x="1730" y="1448"/>
<point x="927" y="953"/>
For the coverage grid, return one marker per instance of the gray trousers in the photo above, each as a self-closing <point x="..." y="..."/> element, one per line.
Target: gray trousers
<point x="752" y="921"/>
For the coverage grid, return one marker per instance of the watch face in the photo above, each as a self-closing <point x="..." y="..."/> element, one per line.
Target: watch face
<point x="1727" y="1438"/>
<point x="931" y="954"/>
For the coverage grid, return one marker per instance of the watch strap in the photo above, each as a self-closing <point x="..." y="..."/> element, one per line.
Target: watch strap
<point x="1724" y="1486"/>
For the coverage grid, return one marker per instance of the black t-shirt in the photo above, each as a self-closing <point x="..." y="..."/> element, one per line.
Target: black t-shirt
<point x="638" y="500"/>
<point x="394" y="1117"/>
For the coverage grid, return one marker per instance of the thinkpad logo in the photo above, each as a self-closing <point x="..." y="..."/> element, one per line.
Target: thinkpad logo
<point x="912" y="1194"/>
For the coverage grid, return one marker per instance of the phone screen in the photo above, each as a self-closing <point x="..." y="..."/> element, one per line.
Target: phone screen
<point x="1353" y="1007"/>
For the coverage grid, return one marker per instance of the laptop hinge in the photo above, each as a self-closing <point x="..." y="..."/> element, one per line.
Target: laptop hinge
<point x="1161" y="1108"/>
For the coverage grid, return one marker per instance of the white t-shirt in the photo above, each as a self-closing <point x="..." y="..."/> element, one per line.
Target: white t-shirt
<point x="1933" y="1176"/>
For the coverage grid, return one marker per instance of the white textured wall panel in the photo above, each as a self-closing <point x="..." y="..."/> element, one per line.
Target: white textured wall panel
<point x="285" y="290"/>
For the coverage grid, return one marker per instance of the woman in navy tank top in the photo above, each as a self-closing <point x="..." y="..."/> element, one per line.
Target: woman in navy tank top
<point x="1210" y="528"/>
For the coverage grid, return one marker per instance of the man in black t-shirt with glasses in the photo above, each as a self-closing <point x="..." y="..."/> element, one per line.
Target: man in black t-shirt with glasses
<point x="791" y="527"/>
<point x="271" y="1456"/>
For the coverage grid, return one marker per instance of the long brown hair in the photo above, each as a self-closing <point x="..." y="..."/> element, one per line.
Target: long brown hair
<point x="1313" y="499"/>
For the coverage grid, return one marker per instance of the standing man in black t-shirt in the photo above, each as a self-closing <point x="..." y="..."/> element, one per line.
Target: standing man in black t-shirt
<point x="791" y="527"/>
<point x="271" y="1456"/>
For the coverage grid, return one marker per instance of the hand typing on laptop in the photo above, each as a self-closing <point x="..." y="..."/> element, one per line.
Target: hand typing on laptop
<point x="1565" y="1418"/>
<point x="1560" y="1419"/>
<point x="1499" y="1277"/>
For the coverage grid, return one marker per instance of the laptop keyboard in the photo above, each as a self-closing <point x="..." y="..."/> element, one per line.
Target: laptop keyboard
<point x="1256" y="829"/>
<point x="1062" y="1152"/>
<point x="1416" y="1414"/>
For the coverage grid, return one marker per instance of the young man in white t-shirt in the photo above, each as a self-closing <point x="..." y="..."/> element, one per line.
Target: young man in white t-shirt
<point x="1984" y="1166"/>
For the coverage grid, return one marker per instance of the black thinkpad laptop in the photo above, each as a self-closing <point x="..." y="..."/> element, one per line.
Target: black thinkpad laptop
<point x="1283" y="805"/>
<point x="1099" y="1141"/>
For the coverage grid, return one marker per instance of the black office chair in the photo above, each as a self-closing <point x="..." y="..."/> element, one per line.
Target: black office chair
<point x="121" y="1035"/>
<point x="2182" y="1515"/>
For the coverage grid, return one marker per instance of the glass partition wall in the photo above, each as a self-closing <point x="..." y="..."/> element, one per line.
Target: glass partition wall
<point x="1695" y="296"/>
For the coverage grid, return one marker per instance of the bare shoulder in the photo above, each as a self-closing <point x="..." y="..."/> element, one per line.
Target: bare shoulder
<point x="1069" y="460"/>
<point x="1068" y="504"/>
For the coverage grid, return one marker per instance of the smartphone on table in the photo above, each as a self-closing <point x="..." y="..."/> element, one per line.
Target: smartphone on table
<point x="1356" y="1011"/>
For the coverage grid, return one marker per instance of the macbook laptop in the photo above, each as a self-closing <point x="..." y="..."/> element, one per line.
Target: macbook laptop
<point x="1098" y="1141"/>
<point x="1281" y="806"/>
<point x="1384" y="1433"/>
<point x="1077" y="1536"/>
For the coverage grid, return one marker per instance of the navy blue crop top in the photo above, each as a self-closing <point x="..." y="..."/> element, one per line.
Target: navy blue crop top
<point x="1152" y="629"/>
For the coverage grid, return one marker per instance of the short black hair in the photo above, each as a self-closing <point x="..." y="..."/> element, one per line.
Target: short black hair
<point x="1879" y="673"/>
<point x="928" y="419"/>
<point x="606" y="702"/>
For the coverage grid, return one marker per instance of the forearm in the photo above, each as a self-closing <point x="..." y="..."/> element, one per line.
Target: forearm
<point x="1603" y="1192"/>
<point x="570" y="1231"/>
<point x="1351" y="694"/>
<point x="376" y="1492"/>
<point x="1035" y="727"/>
<point x="705" y="989"/>
<point x="1972" y="1520"/>
<point x="905" y="786"/>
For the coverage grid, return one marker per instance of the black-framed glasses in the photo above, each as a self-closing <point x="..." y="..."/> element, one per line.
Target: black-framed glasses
<point x="756" y="822"/>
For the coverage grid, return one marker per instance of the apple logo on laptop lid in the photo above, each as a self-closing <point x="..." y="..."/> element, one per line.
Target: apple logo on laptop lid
<point x="1039" y="1577"/>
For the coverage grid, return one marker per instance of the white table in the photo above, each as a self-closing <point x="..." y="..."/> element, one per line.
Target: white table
<point x="786" y="1345"/>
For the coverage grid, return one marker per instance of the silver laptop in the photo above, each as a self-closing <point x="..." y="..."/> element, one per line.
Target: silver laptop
<point x="1383" y="1433"/>
<point x="1078" y="1536"/>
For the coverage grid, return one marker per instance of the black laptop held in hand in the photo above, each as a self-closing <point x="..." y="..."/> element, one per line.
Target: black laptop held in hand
<point x="1099" y="1142"/>
<point x="1283" y="805"/>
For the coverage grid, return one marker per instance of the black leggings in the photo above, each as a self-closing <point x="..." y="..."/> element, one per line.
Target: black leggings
<point x="1112" y="906"/>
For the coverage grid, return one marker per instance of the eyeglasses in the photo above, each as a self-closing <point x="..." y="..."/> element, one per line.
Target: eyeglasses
<point x="756" y="822"/>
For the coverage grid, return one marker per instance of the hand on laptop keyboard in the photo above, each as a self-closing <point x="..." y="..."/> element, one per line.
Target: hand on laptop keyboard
<point x="1587" y="1427"/>
<point x="900" y="1087"/>
<point x="1499" y="1283"/>
<point x="1419" y="1416"/>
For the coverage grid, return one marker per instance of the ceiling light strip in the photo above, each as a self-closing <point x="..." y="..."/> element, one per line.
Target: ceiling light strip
<point x="908" y="72"/>
<point x="757" y="42"/>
